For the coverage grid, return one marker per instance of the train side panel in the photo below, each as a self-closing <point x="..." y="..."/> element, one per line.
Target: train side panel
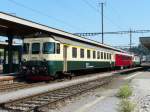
<point x="122" y="60"/>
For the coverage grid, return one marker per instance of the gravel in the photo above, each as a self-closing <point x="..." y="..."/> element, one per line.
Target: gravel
<point x="141" y="94"/>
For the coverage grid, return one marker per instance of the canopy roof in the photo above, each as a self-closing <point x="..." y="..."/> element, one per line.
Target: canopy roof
<point x="21" y="28"/>
<point x="145" y="41"/>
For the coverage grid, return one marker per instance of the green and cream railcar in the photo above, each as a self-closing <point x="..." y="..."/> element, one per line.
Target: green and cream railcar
<point x="48" y="56"/>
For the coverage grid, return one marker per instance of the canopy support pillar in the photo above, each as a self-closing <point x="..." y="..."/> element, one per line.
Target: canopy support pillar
<point x="10" y="55"/>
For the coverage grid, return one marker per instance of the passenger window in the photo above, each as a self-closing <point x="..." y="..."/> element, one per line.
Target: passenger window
<point x="88" y="54"/>
<point x="107" y="56"/>
<point x="98" y="55"/>
<point x="94" y="54"/>
<point x="58" y="48"/>
<point x="81" y="53"/>
<point x="110" y="56"/>
<point x="74" y="52"/>
<point x="102" y="55"/>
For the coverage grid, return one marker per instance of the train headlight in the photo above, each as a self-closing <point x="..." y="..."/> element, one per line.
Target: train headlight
<point x="33" y="68"/>
<point x="24" y="67"/>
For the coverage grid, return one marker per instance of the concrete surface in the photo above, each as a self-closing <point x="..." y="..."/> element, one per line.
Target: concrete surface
<point x="100" y="100"/>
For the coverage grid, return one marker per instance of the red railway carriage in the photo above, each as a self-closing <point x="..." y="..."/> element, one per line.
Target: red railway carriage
<point x="123" y="60"/>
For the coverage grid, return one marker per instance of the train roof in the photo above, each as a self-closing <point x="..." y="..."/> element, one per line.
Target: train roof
<point x="25" y="27"/>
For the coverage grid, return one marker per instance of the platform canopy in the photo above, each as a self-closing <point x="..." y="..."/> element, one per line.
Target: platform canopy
<point x="22" y="27"/>
<point x="145" y="41"/>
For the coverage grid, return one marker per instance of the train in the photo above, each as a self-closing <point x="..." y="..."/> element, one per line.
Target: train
<point x="48" y="57"/>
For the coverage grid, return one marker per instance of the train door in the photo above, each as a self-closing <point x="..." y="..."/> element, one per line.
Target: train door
<point x="65" y="58"/>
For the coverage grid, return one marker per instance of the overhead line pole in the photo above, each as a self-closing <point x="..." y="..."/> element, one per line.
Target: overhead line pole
<point x="102" y="16"/>
<point x="130" y="39"/>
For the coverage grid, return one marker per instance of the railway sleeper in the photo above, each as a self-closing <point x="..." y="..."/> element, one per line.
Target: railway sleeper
<point x="17" y="109"/>
<point x="43" y="100"/>
<point x="23" y="107"/>
<point x="26" y="105"/>
<point x="49" y="99"/>
<point x="57" y="95"/>
<point x="36" y="102"/>
<point x="61" y="95"/>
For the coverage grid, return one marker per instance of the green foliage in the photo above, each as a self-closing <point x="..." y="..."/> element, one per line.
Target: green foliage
<point x="126" y="106"/>
<point x="124" y="92"/>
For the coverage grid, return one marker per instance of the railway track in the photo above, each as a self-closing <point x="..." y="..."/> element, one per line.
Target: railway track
<point x="50" y="99"/>
<point x="8" y="86"/>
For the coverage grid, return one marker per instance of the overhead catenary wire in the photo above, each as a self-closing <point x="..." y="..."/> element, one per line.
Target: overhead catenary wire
<point x="116" y="32"/>
<point x="98" y="11"/>
<point x="90" y="5"/>
<point x="43" y="14"/>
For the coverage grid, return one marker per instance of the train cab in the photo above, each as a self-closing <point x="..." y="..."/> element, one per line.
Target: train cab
<point x="41" y="56"/>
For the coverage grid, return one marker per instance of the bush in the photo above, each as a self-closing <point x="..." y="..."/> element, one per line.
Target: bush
<point x="124" y="92"/>
<point x="126" y="106"/>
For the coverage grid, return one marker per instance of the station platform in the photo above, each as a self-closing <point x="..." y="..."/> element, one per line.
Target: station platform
<point x="8" y="77"/>
<point x="47" y="87"/>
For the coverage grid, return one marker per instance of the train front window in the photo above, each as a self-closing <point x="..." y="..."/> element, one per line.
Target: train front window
<point x="35" y="48"/>
<point x="26" y="48"/>
<point x="49" y="48"/>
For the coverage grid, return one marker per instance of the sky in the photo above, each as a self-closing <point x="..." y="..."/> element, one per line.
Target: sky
<point x="85" y="16"/>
